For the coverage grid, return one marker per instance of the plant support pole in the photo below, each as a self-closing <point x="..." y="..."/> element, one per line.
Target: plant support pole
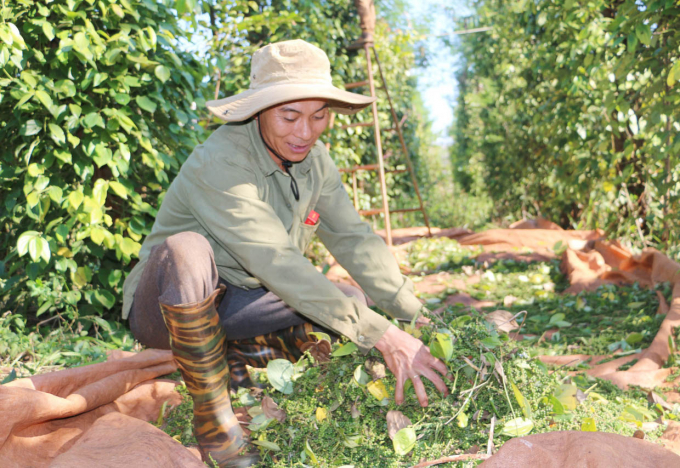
<point x="378" y="145"/>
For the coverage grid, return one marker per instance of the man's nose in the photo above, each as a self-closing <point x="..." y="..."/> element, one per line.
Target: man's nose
<point x="304" y="130"/>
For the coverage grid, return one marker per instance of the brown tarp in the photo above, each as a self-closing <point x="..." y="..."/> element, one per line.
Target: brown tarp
<point x="92" y="416"/>
<point x="95" y="415"/>
<point x="573" y="449"/>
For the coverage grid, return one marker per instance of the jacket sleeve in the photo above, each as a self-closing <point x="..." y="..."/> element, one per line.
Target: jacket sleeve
<point x="362" y="252"/>
<point x="229" y="206"/>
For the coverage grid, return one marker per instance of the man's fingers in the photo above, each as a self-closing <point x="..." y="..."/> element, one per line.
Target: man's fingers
<point x="399" y="391"/>
<point x="436" y="380"/>
<point x="440" y="367"/>
<point x="420" y="390"/>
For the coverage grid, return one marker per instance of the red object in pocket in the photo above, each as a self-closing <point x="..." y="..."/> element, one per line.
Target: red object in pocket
<point x="312" y="219"/>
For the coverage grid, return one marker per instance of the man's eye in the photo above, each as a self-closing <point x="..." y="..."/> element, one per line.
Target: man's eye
<point x="288" y="120"/>
<point x="320" y="118"/>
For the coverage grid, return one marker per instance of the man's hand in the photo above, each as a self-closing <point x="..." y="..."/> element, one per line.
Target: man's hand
<point x="408" y="358"/>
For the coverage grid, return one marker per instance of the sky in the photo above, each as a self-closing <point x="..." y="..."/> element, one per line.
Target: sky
<point x="437" y="82"/>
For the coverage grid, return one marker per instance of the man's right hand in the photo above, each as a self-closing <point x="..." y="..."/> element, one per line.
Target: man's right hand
<point x="409" y="358"/>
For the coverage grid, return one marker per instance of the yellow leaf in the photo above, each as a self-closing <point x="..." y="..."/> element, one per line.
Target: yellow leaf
<point x="378" y="390"/>
<point x="64" y="252"/>
<point x="588" y="425"/>
<point x="321" y="414"/>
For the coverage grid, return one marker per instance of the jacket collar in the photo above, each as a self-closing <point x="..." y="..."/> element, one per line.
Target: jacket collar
<point x="264" y="160"/>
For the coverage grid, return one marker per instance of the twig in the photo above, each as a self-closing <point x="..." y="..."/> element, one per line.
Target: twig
<point x="566" y="364"/>
<point x="469" y="363"/>
<point x="47" y="321"/>
<point x="455" y="458"/>
<point x="514" y="317"/>
<point x="474" y="388"/>
<point x="462" y="408"/>
<point x="489" y="445"/>
<point x="18" y="358"/>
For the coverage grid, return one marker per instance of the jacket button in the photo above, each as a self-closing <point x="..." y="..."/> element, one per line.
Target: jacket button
<point x="361" y="338"/>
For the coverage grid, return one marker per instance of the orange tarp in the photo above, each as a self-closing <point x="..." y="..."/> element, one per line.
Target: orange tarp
<point x="92" y="416"/>
<point x="567" y="449"/>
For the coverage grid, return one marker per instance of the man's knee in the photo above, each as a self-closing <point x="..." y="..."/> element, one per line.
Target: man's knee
<point x="189" y="247"/>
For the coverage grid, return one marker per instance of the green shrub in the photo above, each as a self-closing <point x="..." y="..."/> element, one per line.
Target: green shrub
<point x="97" y="113"/>
<point x="570" y="110"/>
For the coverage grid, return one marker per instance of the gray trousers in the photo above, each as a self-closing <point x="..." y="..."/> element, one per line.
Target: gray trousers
<point x="182" y="270"/>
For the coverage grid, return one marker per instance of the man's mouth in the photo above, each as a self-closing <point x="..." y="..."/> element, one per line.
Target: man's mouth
<point x="299" y="148"/>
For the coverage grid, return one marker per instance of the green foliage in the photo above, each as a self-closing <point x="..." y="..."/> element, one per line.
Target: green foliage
<point x="96" y="117"/>
<point x="25" y="350"/>
<point x="569" y="110"/>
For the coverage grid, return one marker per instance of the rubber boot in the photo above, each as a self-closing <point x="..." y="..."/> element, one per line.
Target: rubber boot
<point x="287" y="344"/>
<point x="199" y="345"/>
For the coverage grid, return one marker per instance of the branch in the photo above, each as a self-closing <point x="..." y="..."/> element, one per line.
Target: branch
<point x="455" y="458"/>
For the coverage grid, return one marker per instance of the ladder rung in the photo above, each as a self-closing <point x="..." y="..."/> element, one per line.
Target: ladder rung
<point x="405" y="210"/>
<point x="369" y="167"/>
<point x="356" y="84"/>
<point x="357" y="124"/>
<point x="370" y="212"/>
<point x="376" y="211"/>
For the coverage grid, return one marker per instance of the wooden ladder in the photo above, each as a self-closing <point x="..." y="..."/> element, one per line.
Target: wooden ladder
<point x="380" y="167"/>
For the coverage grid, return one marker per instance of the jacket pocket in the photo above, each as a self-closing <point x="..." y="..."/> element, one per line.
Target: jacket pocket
<point x="306" y="233"/>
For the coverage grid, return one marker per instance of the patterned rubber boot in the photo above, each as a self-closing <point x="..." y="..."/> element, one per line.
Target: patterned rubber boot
<point x="290" y="344"/>
<point x="199" y="345"/>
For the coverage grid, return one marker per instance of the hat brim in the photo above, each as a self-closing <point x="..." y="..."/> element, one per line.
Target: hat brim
<point x="248" y="103"/>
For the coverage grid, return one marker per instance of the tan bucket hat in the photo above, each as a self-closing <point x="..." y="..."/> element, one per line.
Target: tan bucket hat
<point x="283" y="72"/>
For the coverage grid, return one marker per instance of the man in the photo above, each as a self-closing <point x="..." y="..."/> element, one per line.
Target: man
<point x="236" y="221"/>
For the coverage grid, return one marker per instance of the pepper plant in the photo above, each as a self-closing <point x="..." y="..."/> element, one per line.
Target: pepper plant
<point x="97" y="113"/>
<point x="570" y="110"/>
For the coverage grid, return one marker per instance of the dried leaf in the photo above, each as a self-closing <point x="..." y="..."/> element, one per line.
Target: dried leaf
<point x="375" y="368"/>
<point x="502" y="320"/>
<point x="272" y="410"/>
<point x="580" y="396"/>
<point x="396" y="421"/>
<point x="498" y="367"/>
<point x="321" y="414"/>
<point x="656" y="399"/>
<point x="509" y="300"/>
<point x="354" y="411"/>
<point x="319" y="350"/>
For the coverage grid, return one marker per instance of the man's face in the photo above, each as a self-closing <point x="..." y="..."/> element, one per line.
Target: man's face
<point x="291" y="129"/>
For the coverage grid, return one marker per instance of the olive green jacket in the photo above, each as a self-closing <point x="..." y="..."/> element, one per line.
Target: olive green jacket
<point x="233" y="193"/>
